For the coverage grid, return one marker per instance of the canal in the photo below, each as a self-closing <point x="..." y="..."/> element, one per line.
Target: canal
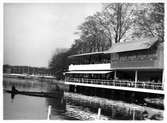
<point x="66" y="106"/>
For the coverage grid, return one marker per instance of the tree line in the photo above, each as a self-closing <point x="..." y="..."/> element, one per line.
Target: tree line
<point x="117" y="22"/>
<point x="26" y="70"/>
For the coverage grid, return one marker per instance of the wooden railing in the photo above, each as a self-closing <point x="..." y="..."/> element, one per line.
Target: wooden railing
<point x="120" y="83"/>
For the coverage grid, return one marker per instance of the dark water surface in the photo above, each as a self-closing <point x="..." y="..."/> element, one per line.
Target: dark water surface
<point x="32" y="107"/>
<point x="62" y="108"/>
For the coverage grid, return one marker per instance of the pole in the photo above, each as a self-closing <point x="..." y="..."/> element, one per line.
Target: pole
<point x="115" y="75"/>
<point x="49" y="112"/>
<point x="75" y="88"/>
<point x="99" y="113"/>
<point x="136" y="77"/>
<point x="134" y="114"/>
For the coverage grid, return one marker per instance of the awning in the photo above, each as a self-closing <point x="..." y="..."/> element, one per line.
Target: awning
<point x="132" y="45"/>
<point x="88" y="72"/>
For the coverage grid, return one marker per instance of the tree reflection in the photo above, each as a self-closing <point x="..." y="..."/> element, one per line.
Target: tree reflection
<point x="58" y="104"/>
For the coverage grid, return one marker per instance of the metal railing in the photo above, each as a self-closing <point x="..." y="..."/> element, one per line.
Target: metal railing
<point x="120" y="83"/>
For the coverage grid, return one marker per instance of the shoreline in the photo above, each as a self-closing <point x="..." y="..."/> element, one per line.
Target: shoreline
<point x="108" y="104"/>
<point x="101" y="102"/>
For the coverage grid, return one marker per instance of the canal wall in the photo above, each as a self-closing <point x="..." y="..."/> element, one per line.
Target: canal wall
<point x="127" y="96"/>
<point x="115" y="108"/>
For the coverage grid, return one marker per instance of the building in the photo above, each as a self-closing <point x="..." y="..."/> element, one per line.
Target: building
<point x="135" y="66"/>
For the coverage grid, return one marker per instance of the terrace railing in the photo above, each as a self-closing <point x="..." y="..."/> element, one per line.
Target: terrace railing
<point x="120" y="83"/>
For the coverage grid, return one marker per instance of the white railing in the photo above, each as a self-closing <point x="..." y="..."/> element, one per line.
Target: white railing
<point x="104" y="66"/>
<point x="120" y="83"/>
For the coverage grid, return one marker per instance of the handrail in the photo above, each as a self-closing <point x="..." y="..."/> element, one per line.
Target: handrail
<point x="121" y="83"/>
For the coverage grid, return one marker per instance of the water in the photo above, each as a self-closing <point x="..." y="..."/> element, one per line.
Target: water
<point x="31" y="107"/>
<point x="62" y="108"/>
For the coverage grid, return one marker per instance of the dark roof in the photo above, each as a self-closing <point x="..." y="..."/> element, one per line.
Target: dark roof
<point x="137" y="44"/>
<point x="132" y="45"/>
<point x="84" y="54"/>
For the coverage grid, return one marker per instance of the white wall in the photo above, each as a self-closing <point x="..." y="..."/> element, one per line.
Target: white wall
<point x="105" y="66"/>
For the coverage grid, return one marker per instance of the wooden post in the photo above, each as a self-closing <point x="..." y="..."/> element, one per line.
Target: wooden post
<point x="136" y="77"/>
<point x="99" y="113"/>
<point x="134" y="111"/>
<point x="134" y="114"/>
<point x="75" y="88"/>
<point x="115" y="74"/>
<point x="49" y="112"/>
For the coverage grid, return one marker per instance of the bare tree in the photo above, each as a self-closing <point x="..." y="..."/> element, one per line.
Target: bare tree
<point x="150" y="21"/>
<point x="92" y="36"/>
<point x="116" y="19"/>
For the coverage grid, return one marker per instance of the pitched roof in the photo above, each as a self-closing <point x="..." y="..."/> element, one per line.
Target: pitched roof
<point x="132" y="45"/>
<point x="137" y="44"/>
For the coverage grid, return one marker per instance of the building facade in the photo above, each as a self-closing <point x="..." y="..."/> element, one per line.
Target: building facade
<point x="131" y="66"/>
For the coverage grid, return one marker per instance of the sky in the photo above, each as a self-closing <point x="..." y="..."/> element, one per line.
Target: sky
<point x="33" y="31"/>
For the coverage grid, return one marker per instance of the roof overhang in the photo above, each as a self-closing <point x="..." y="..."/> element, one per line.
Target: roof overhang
<point x="88" y="72"/>
<point x="137" y="68"/>
<point x="86" y="54"/>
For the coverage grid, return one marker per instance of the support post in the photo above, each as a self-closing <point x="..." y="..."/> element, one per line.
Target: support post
<point x="75" y="88"/>
<point x="115" y="77"/>
<point x="99" y="113"/>
<point x="134" y="112"/>
<point x="136" y="77"/>
<point x="115" y="74"/>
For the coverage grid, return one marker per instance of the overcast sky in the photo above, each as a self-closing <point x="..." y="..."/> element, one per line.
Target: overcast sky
<point x="32" y="32"/>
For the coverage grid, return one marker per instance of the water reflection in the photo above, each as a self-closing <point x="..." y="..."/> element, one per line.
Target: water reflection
<point x="58" y="104"/>
<point x="23" y="103"/>
<point x="12" y="96"/>
<point x="24" y="107"/>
